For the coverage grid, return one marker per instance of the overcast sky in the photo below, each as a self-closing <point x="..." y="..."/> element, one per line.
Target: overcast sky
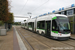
<point x="36" y="7"/>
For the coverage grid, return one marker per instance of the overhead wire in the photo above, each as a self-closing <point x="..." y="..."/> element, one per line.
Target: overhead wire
<point x="24" y="6"/>
<point x="40" y="6"/>
<point x="35" y="8"/>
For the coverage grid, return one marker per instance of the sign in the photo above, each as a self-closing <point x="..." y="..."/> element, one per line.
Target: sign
<point x="62" y="18"/>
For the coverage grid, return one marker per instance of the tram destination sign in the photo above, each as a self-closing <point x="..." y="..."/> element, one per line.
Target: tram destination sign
<point x="62" y="18"/>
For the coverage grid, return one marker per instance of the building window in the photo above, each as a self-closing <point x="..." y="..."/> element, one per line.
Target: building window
<point x="70" y="12"/>
<point x="63" y="13"/>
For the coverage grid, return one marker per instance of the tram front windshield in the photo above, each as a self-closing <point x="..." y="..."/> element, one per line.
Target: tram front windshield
<point x="63" y="23"/>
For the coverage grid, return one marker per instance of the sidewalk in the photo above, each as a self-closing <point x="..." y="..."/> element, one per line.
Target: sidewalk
<point x="11" y="41"/>
<point x="72" y="36"/>
<point x="6" y="42"/>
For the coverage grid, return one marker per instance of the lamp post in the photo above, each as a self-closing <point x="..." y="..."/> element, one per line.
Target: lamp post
<point x="29" y="14"/>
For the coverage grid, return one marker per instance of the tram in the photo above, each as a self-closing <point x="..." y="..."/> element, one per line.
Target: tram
<point x="56" y="26"/>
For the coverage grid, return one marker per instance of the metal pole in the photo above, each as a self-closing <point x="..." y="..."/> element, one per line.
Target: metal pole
<point x="29" y="14"/>
<point x="73" y="24"/>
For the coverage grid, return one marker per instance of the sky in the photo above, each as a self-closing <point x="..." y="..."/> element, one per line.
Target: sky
<point x="21" y="8"/>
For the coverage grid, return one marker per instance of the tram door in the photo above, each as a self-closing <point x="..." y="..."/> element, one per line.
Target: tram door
<point x="48" y="26"/>
<point x="32" y="26"/>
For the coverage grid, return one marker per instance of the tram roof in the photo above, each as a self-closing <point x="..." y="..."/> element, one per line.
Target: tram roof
<point x="32" y="20"/>
<point x="27" y="20"/>
<point x="49" y="17"/>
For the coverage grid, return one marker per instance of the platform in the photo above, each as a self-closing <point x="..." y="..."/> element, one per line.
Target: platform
<point x="9" y="41"/>
<point x="6" y="41"/>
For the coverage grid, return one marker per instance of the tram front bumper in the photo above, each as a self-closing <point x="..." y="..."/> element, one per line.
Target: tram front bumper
<point x="63" y="38"/>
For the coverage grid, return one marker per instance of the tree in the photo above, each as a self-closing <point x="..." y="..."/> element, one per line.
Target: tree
<point x="4" y="11"/>
<point x="17" y="23"/>
<point x="11" y="18"/>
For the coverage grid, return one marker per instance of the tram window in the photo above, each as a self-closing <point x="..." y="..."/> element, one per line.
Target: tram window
<point x="54" y="26"/>
<point x="26" y="24"/>
<point x="30" y="24"/>
<point x="38" y="25"/>
<point x="41" y="24"/>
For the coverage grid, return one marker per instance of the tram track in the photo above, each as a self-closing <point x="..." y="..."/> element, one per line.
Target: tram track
<point x="48" y="42"/>
<point x="36" y="40"/>
<point x="58" y="41"/>
<point x="69" y="42"/>
<point x="39" y="40"/>
<point x="25" y="40"/>
<point x="65" y="42"/>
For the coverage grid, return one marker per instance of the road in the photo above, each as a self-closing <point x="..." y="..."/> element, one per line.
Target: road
<point x="35" y="41"/>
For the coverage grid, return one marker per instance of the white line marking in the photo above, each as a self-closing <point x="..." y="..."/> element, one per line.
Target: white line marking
<point x="21" y="44"/>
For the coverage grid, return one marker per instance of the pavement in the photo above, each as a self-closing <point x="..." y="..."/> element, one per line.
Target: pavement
<point x="6" y="42"/>
<point x="12" y="41"/>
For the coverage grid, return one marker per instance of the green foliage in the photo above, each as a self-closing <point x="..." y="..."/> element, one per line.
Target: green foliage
<point x="4" y="10"/>
<point x="11" y="18"/>
<point x="17" y="23"/>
